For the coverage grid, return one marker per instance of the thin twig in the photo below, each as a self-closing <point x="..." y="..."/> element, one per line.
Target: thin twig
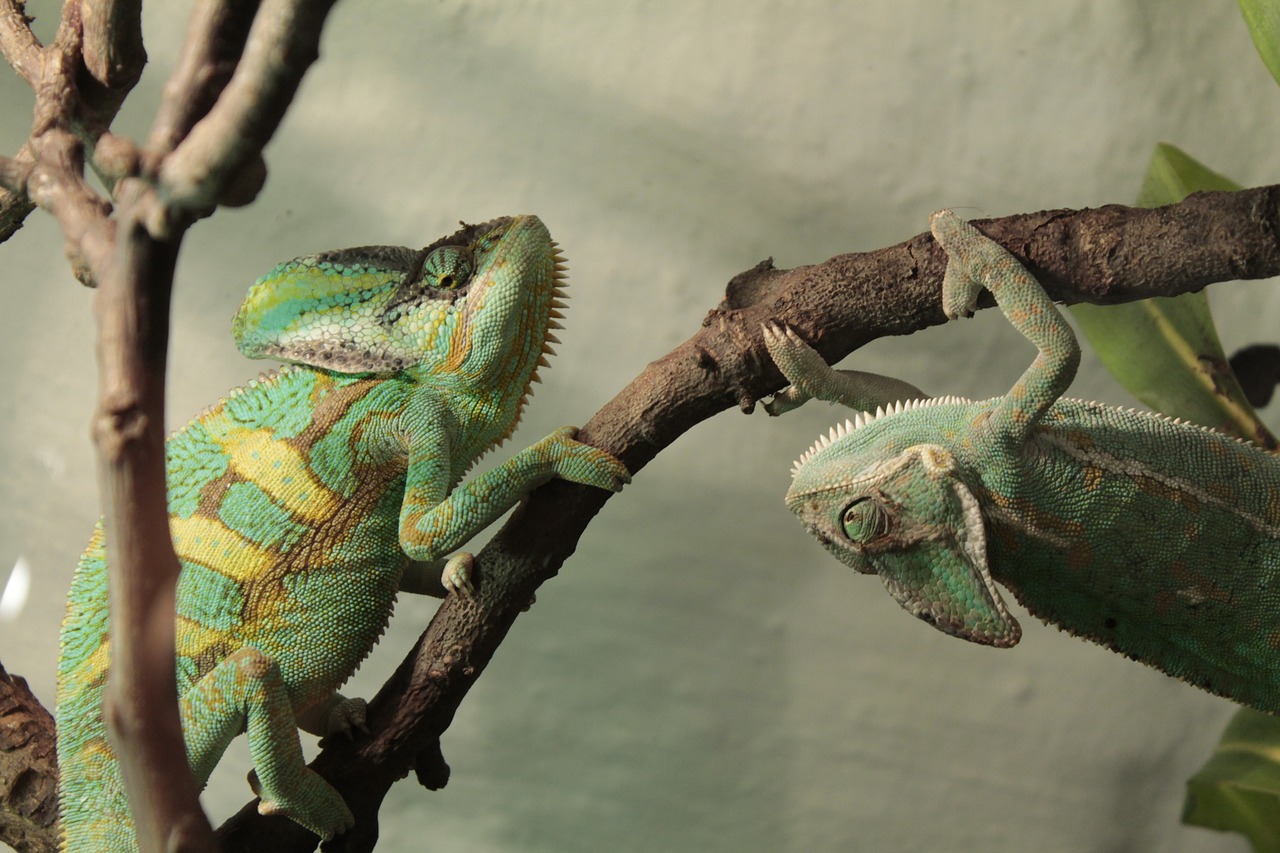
<point x="214" y="43"/>
<point x="282" y="43"/>
<point x="18" y="43"/>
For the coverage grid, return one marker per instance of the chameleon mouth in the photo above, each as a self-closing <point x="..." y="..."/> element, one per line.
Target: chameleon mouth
<point x="862" y="419"/>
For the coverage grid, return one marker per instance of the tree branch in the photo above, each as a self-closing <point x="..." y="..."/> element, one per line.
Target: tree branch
<point x="282" y="43"/>
<point x="214" y="43"/>
<point x="28" y="769"/>
<point x="19" y="45"/>
<point x="1110" y="254"/>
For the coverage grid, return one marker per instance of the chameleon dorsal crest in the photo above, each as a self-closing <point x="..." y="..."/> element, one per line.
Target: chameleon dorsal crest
<point x="913" y="521"/>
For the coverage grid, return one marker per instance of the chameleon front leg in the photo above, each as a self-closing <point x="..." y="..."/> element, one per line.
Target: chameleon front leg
<point x="811" y="378"/>
<point x="245" y="692"/>
<point x="431" y="528"/>
<point x="974" y="261"/>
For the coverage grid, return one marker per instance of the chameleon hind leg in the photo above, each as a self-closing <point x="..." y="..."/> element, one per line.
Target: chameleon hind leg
<point x="246" y="693"/>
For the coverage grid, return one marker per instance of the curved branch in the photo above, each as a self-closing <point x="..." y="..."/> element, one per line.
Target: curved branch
<point x="1110" y="254"/>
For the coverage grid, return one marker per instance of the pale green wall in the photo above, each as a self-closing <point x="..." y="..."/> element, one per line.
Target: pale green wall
<point x="701" y="676"/>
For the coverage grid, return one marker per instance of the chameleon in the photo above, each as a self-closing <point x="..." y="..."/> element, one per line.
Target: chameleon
<point x="1154" y="537"/>
<point x="306" y="500"/>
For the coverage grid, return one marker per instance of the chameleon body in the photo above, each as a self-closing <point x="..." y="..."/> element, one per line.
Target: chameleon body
<point x="298" y="503"/>
<point x="1157" y="538"/>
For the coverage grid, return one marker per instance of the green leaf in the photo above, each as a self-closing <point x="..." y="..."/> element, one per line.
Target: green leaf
<point x="1166" y="351"/>
<point x="1263" y="20"/>
<point x="1238" y="790"/>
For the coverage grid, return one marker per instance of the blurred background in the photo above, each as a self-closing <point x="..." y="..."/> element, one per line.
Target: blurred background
<point x="701" y="676"/>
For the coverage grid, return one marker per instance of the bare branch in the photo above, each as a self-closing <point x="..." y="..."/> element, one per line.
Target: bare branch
<point x="282" y="43"/>
<point x="113" y="51"/>
<point x="14" y="203"/>
<point x="1110" y="254"/>
<point x="215" y="40"/>
<point x="114" y="57"/>
<point x="19" y="45"/>
<point x="140" y="706"/>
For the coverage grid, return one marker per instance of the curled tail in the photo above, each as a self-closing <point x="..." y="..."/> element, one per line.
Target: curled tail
<point x="95" y="812"/>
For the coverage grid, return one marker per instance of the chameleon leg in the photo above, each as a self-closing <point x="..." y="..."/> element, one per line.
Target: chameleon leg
<point x="245" y="692"/>
<point x="974" y="262"/>
<point x="811" y="377"/>
<point x="428" y="531"/>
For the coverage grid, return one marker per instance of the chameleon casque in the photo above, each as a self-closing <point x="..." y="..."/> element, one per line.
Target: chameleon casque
<point x="298" y="503"/>
<point x="1156" y="538"/>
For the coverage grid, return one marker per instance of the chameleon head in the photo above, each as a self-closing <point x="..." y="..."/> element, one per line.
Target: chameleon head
<point x="472" y="309"/>
<point x="887" y="505"/>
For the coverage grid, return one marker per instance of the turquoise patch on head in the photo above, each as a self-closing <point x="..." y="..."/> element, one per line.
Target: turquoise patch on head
<point x="249" y="511"/>
<point x="194" y="459"/>
<point x="211" y="599"/>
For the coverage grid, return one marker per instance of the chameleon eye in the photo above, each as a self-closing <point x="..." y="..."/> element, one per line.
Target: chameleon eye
<point x="864" y="520"/>
<point x="447" y="268"/>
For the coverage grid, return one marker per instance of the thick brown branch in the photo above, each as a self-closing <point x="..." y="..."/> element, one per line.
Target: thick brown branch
<point x="80" y="80"/>
<point x="140" y="706"/>
<point x="1112" y="254"/>
<point x="28" y="769"/>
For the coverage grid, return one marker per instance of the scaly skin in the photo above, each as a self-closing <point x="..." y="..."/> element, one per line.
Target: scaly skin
<point x="1156" y="538"/>
<point x="297" y="503"/>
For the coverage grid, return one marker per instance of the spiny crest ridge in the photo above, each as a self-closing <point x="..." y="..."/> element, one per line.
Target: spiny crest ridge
<point x="861" y="419"/>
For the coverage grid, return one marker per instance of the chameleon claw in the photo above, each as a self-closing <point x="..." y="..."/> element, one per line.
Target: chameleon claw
<point x="456" y="577"/>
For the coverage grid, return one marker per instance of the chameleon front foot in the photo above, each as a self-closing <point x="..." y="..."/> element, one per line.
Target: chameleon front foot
<point x="572" y="460"/>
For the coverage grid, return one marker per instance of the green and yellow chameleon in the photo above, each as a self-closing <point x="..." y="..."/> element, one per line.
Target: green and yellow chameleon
<point x="298" y="503"/>
<point x="1157" y="538"/>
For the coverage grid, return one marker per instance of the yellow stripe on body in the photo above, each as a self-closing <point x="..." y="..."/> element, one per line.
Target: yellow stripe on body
<point x="280" y="470"/>
<point x="212" y="544"/>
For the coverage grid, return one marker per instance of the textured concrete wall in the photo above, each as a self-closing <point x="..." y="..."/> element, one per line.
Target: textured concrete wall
<point x="701" y="676"/>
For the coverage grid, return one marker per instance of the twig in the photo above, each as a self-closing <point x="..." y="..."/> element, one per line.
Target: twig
<point x="282" y="43"/>
<point x="1111" y="254"/>
<point x="19" y="45"/>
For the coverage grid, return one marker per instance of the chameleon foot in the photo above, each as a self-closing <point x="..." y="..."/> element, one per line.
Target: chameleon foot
<point x="310" y="802"/>
<point x="456" y="576"/>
